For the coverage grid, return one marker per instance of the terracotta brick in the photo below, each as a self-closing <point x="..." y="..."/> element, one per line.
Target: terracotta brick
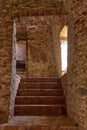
<point x="1" y="127"/>
<point x="45" y="128"/>
<point x="4" y="92"/>
<point x="28" y="127"/>
<point x="10" y="128"/>
<point x="14" y="128"/>
<point x="36" y="128"/>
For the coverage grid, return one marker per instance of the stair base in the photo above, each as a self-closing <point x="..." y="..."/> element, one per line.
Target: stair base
<point x="39" y="123"/>
<point x="39" y="110"/>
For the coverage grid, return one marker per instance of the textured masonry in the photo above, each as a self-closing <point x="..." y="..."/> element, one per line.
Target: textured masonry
<point x="77" y="59"/>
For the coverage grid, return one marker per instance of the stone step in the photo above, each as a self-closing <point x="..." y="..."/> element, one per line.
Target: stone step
<point x="39" y="110"/>
<point x="39" y="92"/>
<point x="40" y="85"/>
<point x="38" y="127"/>
<point x="40" y="80"/>
<point x="67" y="128"/>
<point x="23" y="100"/>
<point x="40" y="97"/>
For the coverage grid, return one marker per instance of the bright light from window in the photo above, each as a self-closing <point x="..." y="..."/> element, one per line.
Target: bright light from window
<point x="64" y="56"/>
<point x="63" y="39"/>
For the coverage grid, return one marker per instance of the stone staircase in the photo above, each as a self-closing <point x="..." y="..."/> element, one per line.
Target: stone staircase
<point x="40" y="105"/>
<point x="21" y="68"/>
<point x="40" y="97"/>
<point x="21" y="72"/>
<point x="39" y="127"/>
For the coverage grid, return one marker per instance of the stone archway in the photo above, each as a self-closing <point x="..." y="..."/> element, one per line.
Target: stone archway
<point x="10" y="10"/>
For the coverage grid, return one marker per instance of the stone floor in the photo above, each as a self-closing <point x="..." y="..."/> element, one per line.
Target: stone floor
<point x="39" y="123"/>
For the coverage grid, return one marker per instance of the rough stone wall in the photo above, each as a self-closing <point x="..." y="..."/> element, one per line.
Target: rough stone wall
<point x="41" y="46"/>
<point x="56" y="28"/>
<point x="5" y="66"/>
<point x="77" y="62"/>
<point x="13" y="72"/>
<point x="64" y="84"/>
<point x="41" y="61"/>
<point x="77" y="67"/>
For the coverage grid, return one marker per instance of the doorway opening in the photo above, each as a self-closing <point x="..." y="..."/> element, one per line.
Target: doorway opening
<point x="21" y="50"/>
<point x="64" y="48"/>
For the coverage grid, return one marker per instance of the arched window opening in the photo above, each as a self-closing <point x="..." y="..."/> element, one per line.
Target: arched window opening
<point x="64" y="46"/>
